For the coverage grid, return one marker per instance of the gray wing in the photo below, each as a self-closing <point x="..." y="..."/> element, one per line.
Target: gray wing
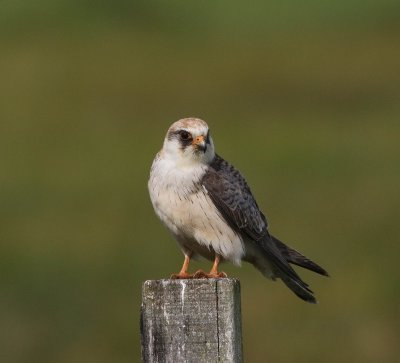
<point x="232" y="197"/>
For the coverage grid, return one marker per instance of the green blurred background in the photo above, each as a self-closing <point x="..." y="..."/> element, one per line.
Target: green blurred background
<point x="308" y="91"/>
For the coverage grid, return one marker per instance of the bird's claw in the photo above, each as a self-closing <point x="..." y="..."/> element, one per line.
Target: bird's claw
<point x="181" y="276"/>
<point x="199" y="274"/>
<point x="202" y="275"/>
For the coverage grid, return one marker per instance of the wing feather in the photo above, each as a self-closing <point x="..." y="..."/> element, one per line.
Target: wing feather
<point x="232" y="197"/>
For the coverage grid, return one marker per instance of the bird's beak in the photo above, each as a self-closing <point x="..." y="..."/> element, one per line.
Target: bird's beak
<point x="200" y="143"/>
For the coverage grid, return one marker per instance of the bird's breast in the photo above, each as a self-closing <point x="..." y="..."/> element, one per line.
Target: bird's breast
<point x="184" y="206"/>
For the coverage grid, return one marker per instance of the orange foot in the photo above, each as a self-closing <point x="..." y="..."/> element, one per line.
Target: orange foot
<point x="200" y="274"/>
<point x="181" y="276"/>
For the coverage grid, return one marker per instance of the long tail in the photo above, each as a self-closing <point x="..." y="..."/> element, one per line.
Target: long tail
<point x="279" y="256"/>
<point x="297" y="258"/>
<point x="300" y="288"/>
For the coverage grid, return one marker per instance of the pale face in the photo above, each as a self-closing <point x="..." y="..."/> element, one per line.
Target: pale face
<point x="188" y="142"/>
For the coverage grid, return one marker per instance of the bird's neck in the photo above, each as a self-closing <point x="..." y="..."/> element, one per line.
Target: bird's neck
<point x="169" y="171"/>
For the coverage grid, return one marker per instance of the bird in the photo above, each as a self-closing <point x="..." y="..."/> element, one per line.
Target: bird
<point x="207" y="205"/>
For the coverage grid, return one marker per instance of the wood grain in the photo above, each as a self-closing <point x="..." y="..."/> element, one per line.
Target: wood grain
<point x="195" y="320"/>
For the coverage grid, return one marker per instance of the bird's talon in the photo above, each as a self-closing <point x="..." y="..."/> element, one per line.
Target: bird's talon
<point x="181" y="276"/>
<point x="217" y="275"/>
<point x="212" y="275"/>
<point x="200" y="274"/>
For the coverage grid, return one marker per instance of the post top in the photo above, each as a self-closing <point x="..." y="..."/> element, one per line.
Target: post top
<point x="193" y="320"/>
<point x="226" y="281"/>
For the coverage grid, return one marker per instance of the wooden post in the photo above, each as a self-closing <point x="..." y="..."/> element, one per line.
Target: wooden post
<point x="195" y="320"/>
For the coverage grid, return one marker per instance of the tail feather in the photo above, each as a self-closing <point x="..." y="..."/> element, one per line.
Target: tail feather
<point x="302" y="292"/>
<point x="298" y="259"/>
<point x="277" y="257"/>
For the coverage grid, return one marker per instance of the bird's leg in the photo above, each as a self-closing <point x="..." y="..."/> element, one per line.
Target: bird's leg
<point x="213" y="274"/>
<point x="214" y="270"/>
<point x="183" y="272"/>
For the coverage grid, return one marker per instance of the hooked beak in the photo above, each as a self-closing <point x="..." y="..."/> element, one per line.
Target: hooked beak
<point x="200" y="143"/>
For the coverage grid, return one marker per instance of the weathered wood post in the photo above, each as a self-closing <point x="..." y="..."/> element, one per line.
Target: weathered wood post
<point x="195" y="320"/>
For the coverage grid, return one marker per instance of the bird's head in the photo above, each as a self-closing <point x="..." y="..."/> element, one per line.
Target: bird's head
<point x="188" y="142"/>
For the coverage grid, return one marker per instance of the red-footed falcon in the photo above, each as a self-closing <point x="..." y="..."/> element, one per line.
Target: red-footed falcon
<point x="209" y="209"/>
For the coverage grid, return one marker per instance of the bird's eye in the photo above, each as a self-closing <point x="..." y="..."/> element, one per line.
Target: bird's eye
<point x="185" y="135"/>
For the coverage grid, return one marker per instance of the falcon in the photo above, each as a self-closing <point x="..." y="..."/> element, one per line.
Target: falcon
<point x="208" y="207"/>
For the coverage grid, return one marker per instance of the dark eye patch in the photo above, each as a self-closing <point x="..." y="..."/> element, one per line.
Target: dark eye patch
<point x="185" y="136"/>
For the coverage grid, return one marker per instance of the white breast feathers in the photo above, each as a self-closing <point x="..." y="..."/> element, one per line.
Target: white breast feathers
<point x="183" y="205"/>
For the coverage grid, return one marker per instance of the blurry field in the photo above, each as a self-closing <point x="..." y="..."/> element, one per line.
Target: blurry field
<point x="304" y="98"/>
